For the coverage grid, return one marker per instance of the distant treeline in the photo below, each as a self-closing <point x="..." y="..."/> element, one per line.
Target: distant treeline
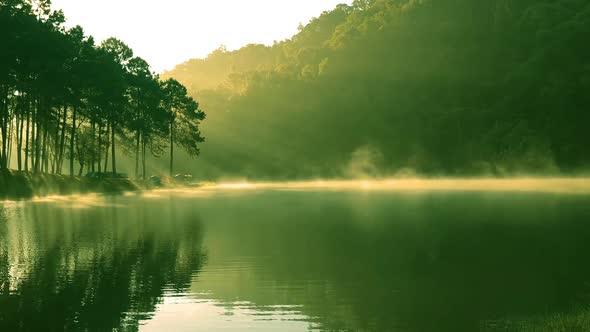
<point x="449" y="87"/>
<point x="63" y="98"/>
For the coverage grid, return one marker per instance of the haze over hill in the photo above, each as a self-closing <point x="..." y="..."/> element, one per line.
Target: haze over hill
<point x="447" y="87"/>
<point x="165" y="33"/>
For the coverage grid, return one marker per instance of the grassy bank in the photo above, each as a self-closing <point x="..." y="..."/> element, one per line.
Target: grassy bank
<point x="17" y="185"/>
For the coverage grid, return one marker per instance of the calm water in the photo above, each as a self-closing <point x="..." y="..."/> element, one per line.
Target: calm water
<point x="296" y="260"/>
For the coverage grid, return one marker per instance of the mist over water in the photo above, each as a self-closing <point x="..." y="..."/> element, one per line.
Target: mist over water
<point x="546" y="185"/>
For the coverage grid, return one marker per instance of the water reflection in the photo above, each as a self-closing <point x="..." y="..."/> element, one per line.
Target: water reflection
<point x="297" y="261"/>
<point x="383" y="262"/>
<point x="95" y="270"/>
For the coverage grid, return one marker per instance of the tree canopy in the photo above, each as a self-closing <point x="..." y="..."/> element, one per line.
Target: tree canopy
<point x="447" y="87"/>
<point x="62" y="97"/>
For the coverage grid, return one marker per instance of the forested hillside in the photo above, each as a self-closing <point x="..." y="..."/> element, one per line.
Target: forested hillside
<point x="440" y="87"/>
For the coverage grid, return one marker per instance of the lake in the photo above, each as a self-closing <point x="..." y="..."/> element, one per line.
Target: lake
<point x="298" y="258"/>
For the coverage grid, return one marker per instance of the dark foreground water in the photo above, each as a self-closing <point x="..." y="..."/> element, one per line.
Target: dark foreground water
<point x="297" y="260"/>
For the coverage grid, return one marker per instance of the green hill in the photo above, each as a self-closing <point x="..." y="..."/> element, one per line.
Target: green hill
<point x="438" y="87"/>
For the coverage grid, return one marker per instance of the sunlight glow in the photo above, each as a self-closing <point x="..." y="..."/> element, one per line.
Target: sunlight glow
<point x="77" y="201"/>
<point x="524" y="185"/>
<point x="545" y="185"/>
<point x="215" y="315"/>
<point x="167" y="33"/>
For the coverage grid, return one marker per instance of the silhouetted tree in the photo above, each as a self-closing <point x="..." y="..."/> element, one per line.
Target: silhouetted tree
<point x="56" y="84"/>
<point x="185" y="117"/>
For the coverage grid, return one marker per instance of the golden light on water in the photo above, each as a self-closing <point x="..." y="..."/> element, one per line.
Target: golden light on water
<point x="548" y="185"/>
<point x="524" y="185"/>
<point x="243" y="185"/>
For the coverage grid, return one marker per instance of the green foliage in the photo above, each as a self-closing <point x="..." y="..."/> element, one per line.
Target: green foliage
<point x="58" y="89"/>
<point x="441" y="87"/>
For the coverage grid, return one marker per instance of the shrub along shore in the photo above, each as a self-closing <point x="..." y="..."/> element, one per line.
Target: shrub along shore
<point x="19" y="185"/>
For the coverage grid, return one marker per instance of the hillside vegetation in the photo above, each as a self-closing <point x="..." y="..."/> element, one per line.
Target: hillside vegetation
<point x="440" y="87"/>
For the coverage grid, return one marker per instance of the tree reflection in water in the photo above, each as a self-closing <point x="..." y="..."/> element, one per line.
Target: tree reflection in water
<point x="74" y="269"/>
<point x="334" y="261"/>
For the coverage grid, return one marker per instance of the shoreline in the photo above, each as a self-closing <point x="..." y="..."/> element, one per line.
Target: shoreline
<point x="15" y="185"/>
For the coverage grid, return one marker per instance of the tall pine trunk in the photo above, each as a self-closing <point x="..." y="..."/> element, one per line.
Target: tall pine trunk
<point x="93" y="146"/>
<point x="73" y="140"/>
<point x="137" y="137"/>
<point x="55" y="143"/>
<point x="19" y="143"/>
<point x="113" y="151"/>
<point x="37" y="139"/>
<point x="172" y="148"/>
<point x="44" y="150"/>
<point x="143" y="156"/>
<point x="62" y="140"/>
<point x="3" y="129"/>
<point x="10" y="141"/>
<point x="27" y="133"/>
<point x="99" y="147"/>
<point x="106" y="156"/>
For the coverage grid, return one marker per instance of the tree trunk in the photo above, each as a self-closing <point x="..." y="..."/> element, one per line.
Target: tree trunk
<point x="106" y="156"/>
<point x="33" y="135"/>
<point x="73" y="140"/>
<point x="19" y="143"/>
<point x="172" y="148"/>
<point x="143" y="156"/>
<point x="62" y="140"/>
<point x="37" y="139"/>
<point x="44" y="150"/>
<point x="27" y="136"/>
<point x="93" y="147"/>
<point x="3" y="128"/>
<point x="137" y="137"/>
<point x="55" y="144"/>
<point x="10" y="138"/>
<point x="82" y="158"/>
<point x="113" y="151"/>
<point x="99" y="147"/>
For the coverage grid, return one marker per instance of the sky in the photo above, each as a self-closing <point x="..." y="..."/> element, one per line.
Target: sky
<point x="168" y="32"/>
